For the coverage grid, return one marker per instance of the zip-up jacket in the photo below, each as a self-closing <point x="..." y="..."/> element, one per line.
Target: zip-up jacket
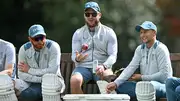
<point x="49" y="61"/>
<point x="102" y="46"/>
<point x="154" y="63"/>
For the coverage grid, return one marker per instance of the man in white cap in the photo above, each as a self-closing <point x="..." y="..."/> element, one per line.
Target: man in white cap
<point x="36" y="58"/>
<point x="94" y="43"/>
<point x="153" y="59"/>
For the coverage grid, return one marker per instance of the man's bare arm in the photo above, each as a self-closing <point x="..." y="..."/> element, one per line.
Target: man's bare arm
<point x="8" y="70"/>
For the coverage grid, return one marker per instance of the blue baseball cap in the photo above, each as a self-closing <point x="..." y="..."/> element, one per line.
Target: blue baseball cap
<point x="146" y="25"/>
<point x="35" y="30"/>
<point x="92" y="5"/>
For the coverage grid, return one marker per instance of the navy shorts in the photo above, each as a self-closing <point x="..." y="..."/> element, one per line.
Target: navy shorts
<point x="86" y="73"/>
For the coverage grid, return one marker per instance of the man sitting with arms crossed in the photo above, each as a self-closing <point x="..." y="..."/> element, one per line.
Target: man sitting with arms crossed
<point x="37" y="58"/>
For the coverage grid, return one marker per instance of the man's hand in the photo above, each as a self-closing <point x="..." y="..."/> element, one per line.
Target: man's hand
<point x="135" y="77"/>
<point x="6" y="72"/>
<point x="80" y="57"/>
<point x="23" y="67"/>
<point x="100" y="70"/>
<point x="110" y="87"/>
<point x="3" y="72"/>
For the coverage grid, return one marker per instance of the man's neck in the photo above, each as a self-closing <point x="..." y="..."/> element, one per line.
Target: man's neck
<point x="150" y="44"/>
<point x="36" y="49"/>
<point x="92" y="29"/>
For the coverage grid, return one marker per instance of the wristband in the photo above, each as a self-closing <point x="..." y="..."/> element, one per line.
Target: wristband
<point x="76" y="60"/>
<point x="105" y="67"/>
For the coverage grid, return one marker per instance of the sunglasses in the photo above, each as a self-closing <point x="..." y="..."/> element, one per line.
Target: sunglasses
<point x="41" y="38"/>
<point x="88" y="14"/>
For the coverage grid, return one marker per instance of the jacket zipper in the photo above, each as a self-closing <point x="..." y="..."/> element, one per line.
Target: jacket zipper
<point x="147" y="56"/>
<point x="92" y="46"/>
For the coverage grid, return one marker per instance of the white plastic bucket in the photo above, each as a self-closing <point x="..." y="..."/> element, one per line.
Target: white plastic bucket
<point x="96" y="97"/>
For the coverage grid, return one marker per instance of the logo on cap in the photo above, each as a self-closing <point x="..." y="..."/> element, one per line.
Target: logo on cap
<point x="35" y="30"/>
<point x="92" y="5"/>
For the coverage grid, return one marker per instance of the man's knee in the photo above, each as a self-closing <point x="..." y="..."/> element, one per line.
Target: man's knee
<point x="177" y="90"/>
<point x="169" y="82"/>
<point x="30" y="94"/>
<point x="76" y="80"/>
<point x="128" y="87"/>
<point x="20" y="85"/>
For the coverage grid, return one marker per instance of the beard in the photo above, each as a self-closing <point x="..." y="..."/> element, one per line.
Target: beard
<point x="93" y="25"/>
<point x="38" y="46"/>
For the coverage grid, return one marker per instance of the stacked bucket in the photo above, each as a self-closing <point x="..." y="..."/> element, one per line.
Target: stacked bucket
<point x="145" y="91"/>
<point x="7" y="88"/>
<point x="51" y="88"/>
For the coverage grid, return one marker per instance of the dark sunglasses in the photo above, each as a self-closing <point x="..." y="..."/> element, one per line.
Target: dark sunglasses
<point x="39" y="38"/>
<point x="88" y="14"/>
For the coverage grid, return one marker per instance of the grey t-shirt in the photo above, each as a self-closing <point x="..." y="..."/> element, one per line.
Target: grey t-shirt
<point x="7" y="54"/>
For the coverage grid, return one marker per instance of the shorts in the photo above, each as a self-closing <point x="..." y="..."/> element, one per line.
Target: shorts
<point x="86" y="73"/>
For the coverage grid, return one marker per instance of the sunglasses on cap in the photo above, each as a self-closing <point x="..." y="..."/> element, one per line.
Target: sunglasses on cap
<point x="88" y="14"/>
<point x="39" y="38"/>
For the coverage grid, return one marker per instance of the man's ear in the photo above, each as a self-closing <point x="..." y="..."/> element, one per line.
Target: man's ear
<point x="154" y="32"/>
<point x="30" y="39"/>
<point x="100" y="14"/>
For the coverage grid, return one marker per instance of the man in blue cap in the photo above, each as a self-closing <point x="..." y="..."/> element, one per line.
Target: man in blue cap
<point x="94" y="49"/>
<point x="36" y="58"/>
<point x="153" y="59"/>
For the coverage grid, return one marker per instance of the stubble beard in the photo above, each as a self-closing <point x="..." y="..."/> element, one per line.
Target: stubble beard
<point x="92" y="26"/>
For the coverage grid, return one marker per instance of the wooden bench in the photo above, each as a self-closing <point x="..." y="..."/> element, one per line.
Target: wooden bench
<point x="175" y="60"/>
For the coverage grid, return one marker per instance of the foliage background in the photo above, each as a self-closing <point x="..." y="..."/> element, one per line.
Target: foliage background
<point x="61" y="18"/>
